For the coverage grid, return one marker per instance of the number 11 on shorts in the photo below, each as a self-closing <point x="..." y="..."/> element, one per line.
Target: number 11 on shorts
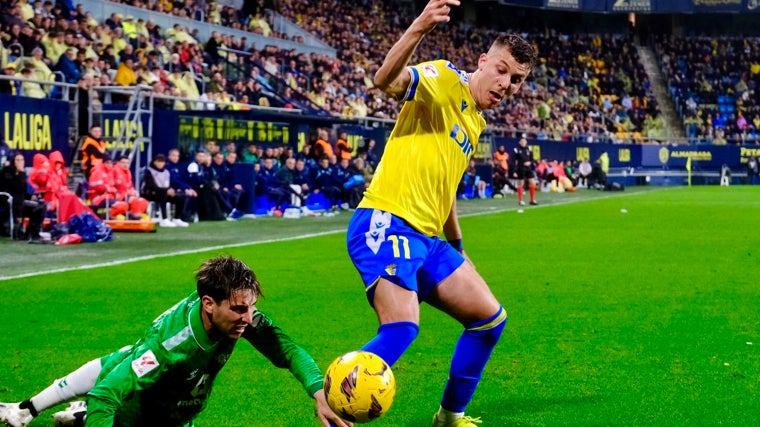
<point x="404" y="246"/>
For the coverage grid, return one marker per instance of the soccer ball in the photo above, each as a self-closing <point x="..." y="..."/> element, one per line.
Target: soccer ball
<point x="359" y="386"/>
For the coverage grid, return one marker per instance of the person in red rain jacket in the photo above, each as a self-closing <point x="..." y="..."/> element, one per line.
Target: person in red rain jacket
<point x="44" y="181"/>
<point x="101" y="183"/>
<point x="125" y="190"/>
<point x="60" y="172"/>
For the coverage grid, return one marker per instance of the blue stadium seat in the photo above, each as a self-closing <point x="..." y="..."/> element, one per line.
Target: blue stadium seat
<point x="318" y="202"/>
<point x="264" y="204"/>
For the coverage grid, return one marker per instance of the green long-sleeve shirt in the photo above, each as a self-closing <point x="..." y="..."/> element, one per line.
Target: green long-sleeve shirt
<point x="166" y="377"/>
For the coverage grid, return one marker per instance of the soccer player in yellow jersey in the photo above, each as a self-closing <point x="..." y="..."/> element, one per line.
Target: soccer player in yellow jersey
<point x="393" y="238"/>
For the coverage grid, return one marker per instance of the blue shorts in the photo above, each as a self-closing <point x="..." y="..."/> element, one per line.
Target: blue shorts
<point x="382" y="245"/>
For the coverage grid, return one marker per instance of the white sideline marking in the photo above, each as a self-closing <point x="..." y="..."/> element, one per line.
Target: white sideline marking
<point x="284" y="239"/>
<point x="168" y="254"/>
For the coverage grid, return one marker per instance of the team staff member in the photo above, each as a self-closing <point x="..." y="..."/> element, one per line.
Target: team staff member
<point x="501" y="156"/>
<point x="165" y="378"/>
<point x="523" y="170"/>
<point x="93" y="150"/>
<point x="322" y="146"/>
<point x="393" y="235"/>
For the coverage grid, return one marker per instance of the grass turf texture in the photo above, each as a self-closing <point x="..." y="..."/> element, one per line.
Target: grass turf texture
<point x="631" y="319"/>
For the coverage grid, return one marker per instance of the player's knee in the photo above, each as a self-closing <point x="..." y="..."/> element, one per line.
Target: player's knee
<point x="490" y="329"/>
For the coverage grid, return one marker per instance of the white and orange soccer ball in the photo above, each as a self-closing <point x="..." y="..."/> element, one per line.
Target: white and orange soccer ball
<point x="359" y="386"/>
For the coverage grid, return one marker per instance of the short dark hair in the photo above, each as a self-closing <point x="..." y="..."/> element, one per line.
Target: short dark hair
<point x="159" y="158"/>
<point x="221" y="276"/>
<point x="520" y="48"/>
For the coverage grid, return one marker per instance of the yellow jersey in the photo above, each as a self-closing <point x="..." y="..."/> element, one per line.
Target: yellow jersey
<point x="429" y="148"/>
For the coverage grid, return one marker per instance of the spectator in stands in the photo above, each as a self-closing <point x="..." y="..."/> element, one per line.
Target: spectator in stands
<point x="28" y="88"/>
<point x="156" y="187"/>
<point x="9" y="87"/>
<point x="114" y="21"/>
<point x="13" y="181"/>
<point x="125" y="73"/>
<point x="68" y="67"/>
<point x="93" y="149"/>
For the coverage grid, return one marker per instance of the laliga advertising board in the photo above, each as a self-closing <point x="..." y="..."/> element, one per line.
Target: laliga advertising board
<point x="34" y="125"/>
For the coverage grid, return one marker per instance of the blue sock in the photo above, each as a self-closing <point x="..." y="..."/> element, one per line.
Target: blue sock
<point x="392" y="340"/>
<point x="471" y="354"/>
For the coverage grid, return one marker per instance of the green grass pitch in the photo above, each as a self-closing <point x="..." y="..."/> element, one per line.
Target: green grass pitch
<point x="638" y="308"/>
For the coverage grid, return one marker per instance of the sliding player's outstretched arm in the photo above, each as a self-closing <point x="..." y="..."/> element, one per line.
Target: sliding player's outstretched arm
<point x="283" y="352"/>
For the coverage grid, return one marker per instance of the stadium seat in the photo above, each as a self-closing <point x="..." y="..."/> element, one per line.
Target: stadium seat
<point x="264" y="204"/>
<point x="318" y="202"/>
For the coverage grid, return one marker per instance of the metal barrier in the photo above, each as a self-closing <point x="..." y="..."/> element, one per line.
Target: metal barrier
<point x="102" y="9"/>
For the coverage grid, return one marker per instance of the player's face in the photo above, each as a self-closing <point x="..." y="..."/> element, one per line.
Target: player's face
<point x="499" y="77"/>
<point x="230" y="317"/>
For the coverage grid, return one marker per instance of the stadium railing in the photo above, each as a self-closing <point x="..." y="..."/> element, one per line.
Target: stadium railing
<point x="102" y="9"/>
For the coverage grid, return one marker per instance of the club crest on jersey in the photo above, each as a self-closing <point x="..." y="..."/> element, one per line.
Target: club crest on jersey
<point x="145" y="363"/>
<point x="463" y="141"/>
<point x="429" y="70"/>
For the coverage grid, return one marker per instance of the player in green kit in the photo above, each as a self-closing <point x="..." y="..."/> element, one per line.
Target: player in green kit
<point x="165" y="378"/>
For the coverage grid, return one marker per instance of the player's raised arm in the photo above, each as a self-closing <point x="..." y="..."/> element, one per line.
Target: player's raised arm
<point x="392" y="78"/>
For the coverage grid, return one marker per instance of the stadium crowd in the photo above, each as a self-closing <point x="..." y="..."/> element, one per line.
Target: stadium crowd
<point x="715" y="83"/>
<point x="589" y="88"/>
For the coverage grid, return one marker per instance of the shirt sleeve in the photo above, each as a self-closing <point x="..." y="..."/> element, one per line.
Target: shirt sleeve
<point x="137" y="371"/>
<point x="284" y="353"/>
<point x="430" y="81"/>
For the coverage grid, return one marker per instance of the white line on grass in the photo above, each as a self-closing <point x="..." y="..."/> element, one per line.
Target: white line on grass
<point x="259" y="242"/>
<point x="168" y="254"/>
